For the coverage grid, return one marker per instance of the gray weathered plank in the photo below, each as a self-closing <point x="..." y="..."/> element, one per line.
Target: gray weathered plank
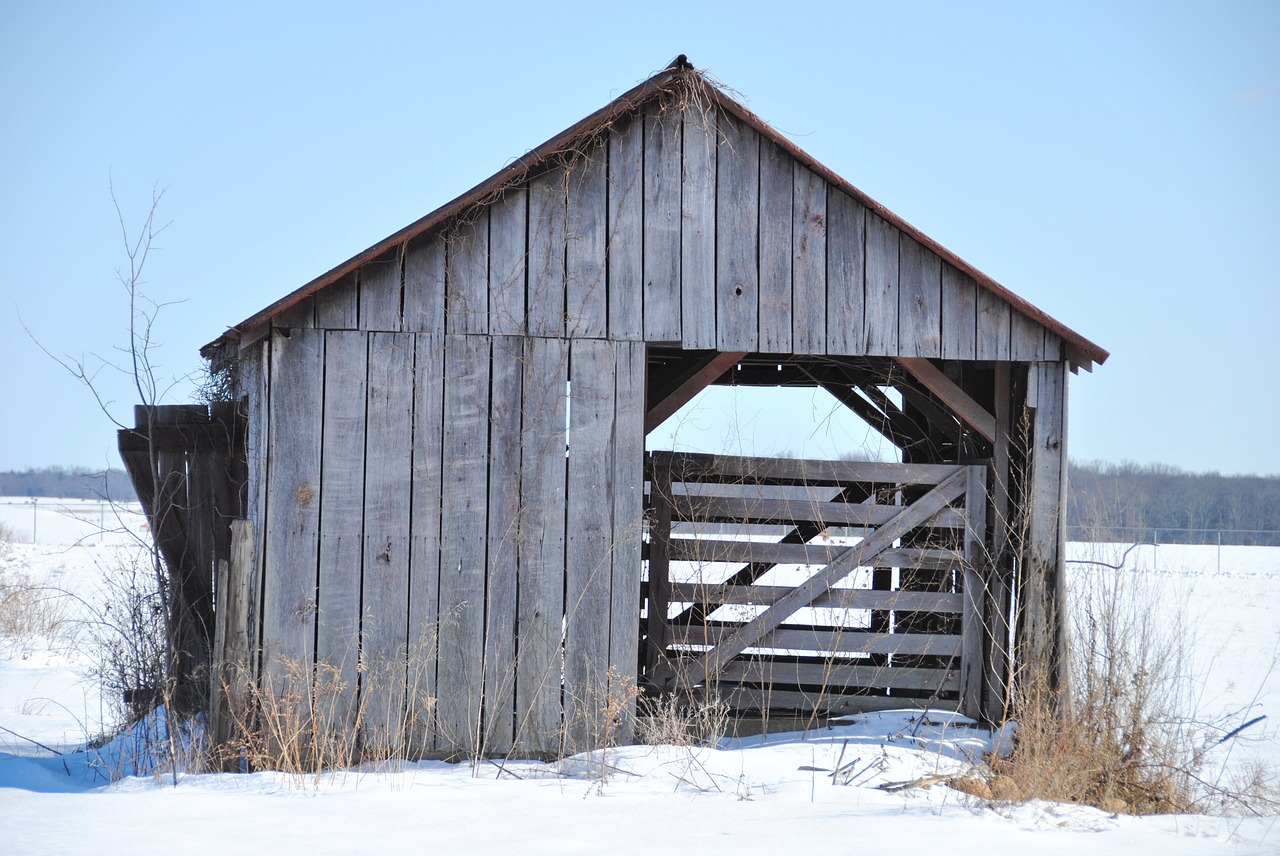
<point x="919" y="301"/>
<point x="1026" y="339"/>
<point x="424" y="280"/>
<point x="385" y="581"/>
<point x="662" y="166"/>
<point x="546" y="306"/>
<point x="463" y="542"/>
<point x="846" y="244"/>
<point x="737" y="237"/>
<point x="843" y="598"/>
<point x="881" y="319"/>
<point x="628" y="517"/>
<point x="505" y="405"/>
<point x="972" y="628"/>
<point x="293" y="510"/>
<point x="776" y="171"/>
<point x="588" y="547"/>
<point x="993" y="327"/>
<point x="698" y="230"/>
<point x="341" y="524"/>
<point x="833" y="675"/>
<point x="336" y="305"/>
<point x="424" y="534"/>
<point x="540" y="548"/>
<point x="733" y="468"/>
<point x="467" y="275"/>
<point x="380" y="292"/>
<point x="750" y="509"/>
<point x="959" y="315"/>
<point x="829" y="703"/>
<point x="508" y="225"/>
<point x="586" y="298"/>
<point x="1043" y="582"/>
<point x="809" y="263"/>
<point x="254" y="378"/>
<point x="836" y="641"/>
<point x="626" y="219"/>
<point x="300" y="316"/>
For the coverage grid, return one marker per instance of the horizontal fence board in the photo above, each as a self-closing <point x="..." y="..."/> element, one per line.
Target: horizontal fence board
<point x="730" y="508"/>
<point x="700" y="467"/>
<point x="832" y="641"/>
<point x="849" y="598"/>
<point x="832" y="703"/>
<point x="705" y="550"/>
<point x="832" y="675"/>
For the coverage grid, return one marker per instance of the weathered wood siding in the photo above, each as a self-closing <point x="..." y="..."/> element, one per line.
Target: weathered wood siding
<point x="452" y="536"/>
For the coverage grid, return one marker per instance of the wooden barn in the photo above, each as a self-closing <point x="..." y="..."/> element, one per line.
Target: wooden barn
<point x="427" y="509"/>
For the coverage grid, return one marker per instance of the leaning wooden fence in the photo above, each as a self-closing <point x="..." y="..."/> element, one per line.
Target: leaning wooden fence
<point x="815" y="586"/>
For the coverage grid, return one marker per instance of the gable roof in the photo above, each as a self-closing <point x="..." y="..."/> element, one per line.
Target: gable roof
<point x="677" y="78"/>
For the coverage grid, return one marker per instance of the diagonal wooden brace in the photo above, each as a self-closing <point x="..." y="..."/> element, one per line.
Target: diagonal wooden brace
<point x="918" y="513"/>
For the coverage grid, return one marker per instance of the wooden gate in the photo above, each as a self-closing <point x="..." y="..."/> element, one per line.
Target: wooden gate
<point x="815" y="586"/>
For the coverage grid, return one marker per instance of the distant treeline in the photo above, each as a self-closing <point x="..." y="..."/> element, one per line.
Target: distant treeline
<point x="68" y="483"/>
<point x="1159" y="502"/>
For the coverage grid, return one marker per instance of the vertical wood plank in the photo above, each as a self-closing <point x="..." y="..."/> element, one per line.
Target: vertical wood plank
<point x="846" y="265"/>
<point x="586" y="300"/>
<point x="341" y="523"/>
<point x="881" y="318"/>
<point x="508" y="225"/>
<point x="424" y="280"/>
<point x="809" y="264"/>
<point x="959" y="315"/>
<point x="971" y="623"/>
<point x="300" y="316"/>
<point x="993" y="327"/>
<point x="424" y="534"/>
<point x="588" y="567"/>
<point x="385" y="581"/>
<point x="662" y="207"/>
<point x="1043" y="581"/>
<point x="467" y="285"/>
<point x="1026" y="339"/>
<point x="293" y="510"/>
<point x="336" y="305"/>
<point x="737" y="237"/>
<point x="546" y="307"/>
<point x="776" y="173"/>
<point x="626" y="222"/>
<point x="504" y="507"/>
<point x="254" y="374"/>
<point x="698" y="230"/>
<point x="380" y="293"/>
<point x="919" y="301"/>
<point x="463" y="542"/>
<point x="540" y="548"/>
<point x="628" y="516"/>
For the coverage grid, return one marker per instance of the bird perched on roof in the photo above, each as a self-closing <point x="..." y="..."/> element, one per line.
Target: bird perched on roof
<point x="681" y="61"/>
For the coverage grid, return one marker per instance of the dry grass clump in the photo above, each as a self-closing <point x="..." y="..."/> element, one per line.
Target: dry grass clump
<point x="29" y="610"/>
<point x="305" y="719"/>
<point x="1127" y="736"/>
<point x="674" y="719"/>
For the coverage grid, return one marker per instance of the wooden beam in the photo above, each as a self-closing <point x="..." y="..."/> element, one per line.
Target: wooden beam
<point x="969" y="411"/>
<point x="717" y="365"/>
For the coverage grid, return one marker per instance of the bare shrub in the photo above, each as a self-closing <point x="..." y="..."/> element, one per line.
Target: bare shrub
<point x="676" y="719"/>
<point x="131" y="641"/>
<point x="305" y="719"/>
<point x="28" y="610"/>
<point x="1128" y="736"/>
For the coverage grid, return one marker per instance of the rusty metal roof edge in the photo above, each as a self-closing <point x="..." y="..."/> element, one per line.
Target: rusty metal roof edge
<point x="1078" y="349"/>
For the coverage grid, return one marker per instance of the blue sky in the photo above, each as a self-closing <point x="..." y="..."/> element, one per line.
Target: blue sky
<point x="1117" y="164"/>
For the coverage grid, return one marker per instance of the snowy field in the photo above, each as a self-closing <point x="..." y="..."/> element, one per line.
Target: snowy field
<point x="763" y="795"/>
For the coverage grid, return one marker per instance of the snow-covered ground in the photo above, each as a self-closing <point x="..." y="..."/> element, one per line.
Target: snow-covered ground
<point x="760" y="795"/>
